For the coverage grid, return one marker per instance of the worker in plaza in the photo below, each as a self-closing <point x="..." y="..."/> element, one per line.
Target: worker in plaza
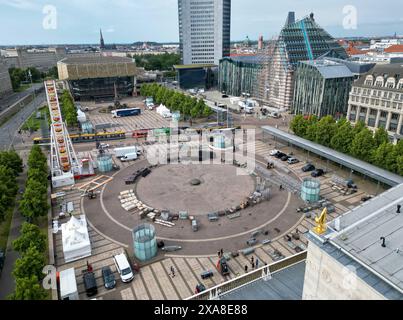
<point x="173" y="271"/>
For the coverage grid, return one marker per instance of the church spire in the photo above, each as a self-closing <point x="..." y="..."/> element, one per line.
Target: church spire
<point x="102" y="45"/>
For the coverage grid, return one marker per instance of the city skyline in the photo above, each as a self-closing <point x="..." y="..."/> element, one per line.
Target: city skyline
<point x="125" y="21"/>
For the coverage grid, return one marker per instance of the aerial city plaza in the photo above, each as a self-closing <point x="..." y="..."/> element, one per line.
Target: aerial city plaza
<point x="187" y="161"/>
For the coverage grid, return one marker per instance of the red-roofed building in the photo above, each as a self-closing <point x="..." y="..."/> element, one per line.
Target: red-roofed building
<point x="353" y="51"/>
<point x="397" y="48"/>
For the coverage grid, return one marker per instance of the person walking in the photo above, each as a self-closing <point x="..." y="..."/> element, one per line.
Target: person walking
<point x="253" y="265"/>
<point x="246" y="268"/>
<point x="173" y="271"/>
<point x="257" y="263"/>
<point x="222" y="252"/>
<point x="251" y="260"/>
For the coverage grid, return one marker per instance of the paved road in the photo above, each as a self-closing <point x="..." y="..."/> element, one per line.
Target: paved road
<point x="6" y="102"/>
<point x="9" y="131"/>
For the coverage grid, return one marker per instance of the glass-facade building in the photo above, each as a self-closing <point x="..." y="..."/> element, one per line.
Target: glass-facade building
<point x="196" y="76"/>
<point x="321" y="88"/>
<point x="101" y="88"/>
<point x="239" y="74"/>
<point x="298" y="41"/>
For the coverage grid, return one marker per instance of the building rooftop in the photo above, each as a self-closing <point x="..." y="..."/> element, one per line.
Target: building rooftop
<point x="248" y="58"/>
<point x="286" y="284"/>
<point x="397" y="48"/>
<point x="95" y="60"/>
<point x="330" y="69"/>
<point x="358" y="233"/>
<point x="394" y="70"/>
<point x="365" y="168"/>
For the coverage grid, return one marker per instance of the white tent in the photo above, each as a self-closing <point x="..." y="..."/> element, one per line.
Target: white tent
<point x="164" y="111"/>
<point x="75" y="238"/>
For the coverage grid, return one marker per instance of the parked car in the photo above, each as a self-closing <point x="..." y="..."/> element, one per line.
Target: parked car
<point x="90" y="284"/>
<point x="292" y="160"/>
<point x="123" y="267"/>
<point x="279" y="155"/>
<point x="285" y="158"/>
<point x="274" y="152"/>
<point x="109" y="278"/>
<point x="317" y="173"/>
<point x="308" y="167"/>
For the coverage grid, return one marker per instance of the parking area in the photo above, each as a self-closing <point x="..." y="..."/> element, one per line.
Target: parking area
<point x="98" y="114"/>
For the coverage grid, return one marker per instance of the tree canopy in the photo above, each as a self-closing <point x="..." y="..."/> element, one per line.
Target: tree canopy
<point x="30" y="236"/>
<point x="357" y="140"/>
<point x="189" y="107"/>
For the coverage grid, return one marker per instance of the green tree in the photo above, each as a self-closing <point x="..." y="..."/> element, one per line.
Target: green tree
<point x="37" y="159"/>
<point x="363" y="145"/>
<point x="299" y="125"/>
<point x="343" y="138"/>
<point x="381" y="136"/>
<point x="28" y="288"/>
<point x="34" y="200"/>
<point x="385" y="156"/>
<point x="325" y="130"/>
<point x="30" y="264"/>
<point x="359" y="126"/>
<point x="399" y="162"/>
<point x="11" y="160"/>
<point x="38" y="175"/>
<point x="30" y="236"/>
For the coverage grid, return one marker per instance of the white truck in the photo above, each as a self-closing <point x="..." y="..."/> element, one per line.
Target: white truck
<point x="68" y="285"/>
<point x="129" y="157"/>
<point x="121" y="152"/>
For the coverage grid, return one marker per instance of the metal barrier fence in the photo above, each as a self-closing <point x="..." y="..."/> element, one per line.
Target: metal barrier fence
<point x="264" y="273"/>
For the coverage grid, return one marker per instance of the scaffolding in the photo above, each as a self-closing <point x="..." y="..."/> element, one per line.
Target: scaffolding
<point x="298" y="41"/>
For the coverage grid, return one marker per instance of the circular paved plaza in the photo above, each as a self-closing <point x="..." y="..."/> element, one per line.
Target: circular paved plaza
<point x="196" y="188"/>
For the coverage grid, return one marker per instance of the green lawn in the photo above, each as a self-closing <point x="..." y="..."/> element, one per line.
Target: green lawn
<point x="33" y="123"/>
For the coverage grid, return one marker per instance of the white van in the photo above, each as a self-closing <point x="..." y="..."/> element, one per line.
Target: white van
<point x="129" y="157"/>
<point x="123" y="267"/>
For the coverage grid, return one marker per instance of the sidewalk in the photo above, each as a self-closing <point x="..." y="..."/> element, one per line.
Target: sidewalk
<point x="7" y="283"/>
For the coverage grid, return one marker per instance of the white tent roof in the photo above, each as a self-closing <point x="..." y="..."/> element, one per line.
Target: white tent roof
<point x="75" y="238"/>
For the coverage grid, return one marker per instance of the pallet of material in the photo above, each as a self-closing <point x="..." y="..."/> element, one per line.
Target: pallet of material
<point x="163" y="224"/>
<point x="166" y="222"/>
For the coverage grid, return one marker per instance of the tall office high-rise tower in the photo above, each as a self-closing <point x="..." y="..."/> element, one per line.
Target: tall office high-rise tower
<point x="204" y="30"/>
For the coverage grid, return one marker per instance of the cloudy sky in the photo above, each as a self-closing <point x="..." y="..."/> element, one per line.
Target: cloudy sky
<point x="126" y="21"/>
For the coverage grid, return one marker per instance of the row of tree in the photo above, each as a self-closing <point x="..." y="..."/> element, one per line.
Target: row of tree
<point x="32" y="243"/>
<point x="163" y="62"/>
<point x="31" y="246"/>
<point x="357" y="141"/>
<point x="189" y="107"/>
<point x="10" y="168"/>
<point x="68" y="108"/>
<point x="18" y="76"/>
<point x="34" y="202"/>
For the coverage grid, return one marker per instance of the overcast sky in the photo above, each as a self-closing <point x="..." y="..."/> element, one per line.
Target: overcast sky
<point x="127" y="21"/>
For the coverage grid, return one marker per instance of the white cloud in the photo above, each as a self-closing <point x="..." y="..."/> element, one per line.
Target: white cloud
<point x="110" y="30"/>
